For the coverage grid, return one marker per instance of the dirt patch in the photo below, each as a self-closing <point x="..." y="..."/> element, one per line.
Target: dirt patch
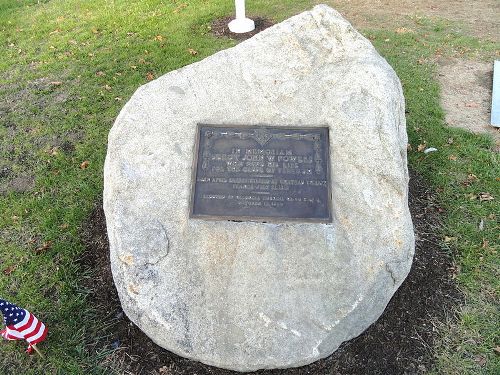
<point x="400" y="342"/>
<point x="219" y="28"/>
<point x="480" y="19"/>
<point x="19" y="184"/>
<point x="466" y="95"/>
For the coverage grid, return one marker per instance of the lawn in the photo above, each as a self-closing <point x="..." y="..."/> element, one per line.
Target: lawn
<point x="69" y="66"/>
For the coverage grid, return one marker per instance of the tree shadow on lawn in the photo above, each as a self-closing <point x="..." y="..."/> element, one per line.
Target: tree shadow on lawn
<point x="400" y="342"/>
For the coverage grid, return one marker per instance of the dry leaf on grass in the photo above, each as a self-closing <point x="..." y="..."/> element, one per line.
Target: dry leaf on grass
<point x="46" y="245"/>
<point x="180" y="7"/>
<point x="9" y="270"/>
<point x="403" y="30"/>
<point x="84" y="164"/>
<point x="485" y="197"/>
<point x="192" y="52"/>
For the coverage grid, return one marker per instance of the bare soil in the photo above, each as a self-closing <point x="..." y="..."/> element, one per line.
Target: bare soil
<point x="398" y="343"/>
<point x="466" y="95"/>
<point x="480" y="18"/>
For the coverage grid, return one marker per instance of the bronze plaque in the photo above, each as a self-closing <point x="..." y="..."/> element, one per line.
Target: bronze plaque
<point x="261" y="173"/>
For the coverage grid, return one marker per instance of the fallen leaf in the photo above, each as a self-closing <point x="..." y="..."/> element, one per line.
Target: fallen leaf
<point x="46" y="245"/>
<point x="450" y="141"/>
<point x="497" y="350"/>
<point x="408" y="147"/>
<point x="56" y="83"/>
<point x="192" y="52"/>
<point x="471" y="178"/>
<point x="118" y="99"/>
<point x="485" y="244"/>
<point x="9" y="270"/>
<point x="107" y="87"/>
<point x="100" y="73"/>
<point x="449" y="239"/>
<point x="180" y="7"/>
<point x="133" y="66"/>
<point x="480" y="360"/>
<point x="472" y="105"/>
<point x="485" y="197"/>
<point x="421" y="147"/>
<point x="150" y="76"/>
<point x="84" y="164"/>
<point x="159" y="38"/>
<point x="56" y="31"/>
<point x="403" y="30"/>
<point x="64" y="226"/>
<point x="452" y="158"/>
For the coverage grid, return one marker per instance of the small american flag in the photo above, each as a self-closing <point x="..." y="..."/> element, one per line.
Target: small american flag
<point x="21" y="325"/>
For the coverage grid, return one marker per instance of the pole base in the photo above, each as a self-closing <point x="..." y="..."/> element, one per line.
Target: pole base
<point x="241" y="25"/>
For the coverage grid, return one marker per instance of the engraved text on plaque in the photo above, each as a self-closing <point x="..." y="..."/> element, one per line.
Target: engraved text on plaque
<point x="261" y="173"/>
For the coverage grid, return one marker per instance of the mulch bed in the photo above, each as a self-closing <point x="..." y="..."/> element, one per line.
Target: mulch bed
<point x="400" y="342"/>
<point x="219" y="27"/>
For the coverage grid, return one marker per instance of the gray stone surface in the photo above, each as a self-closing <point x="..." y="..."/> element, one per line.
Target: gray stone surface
<point x="246" y="295"/>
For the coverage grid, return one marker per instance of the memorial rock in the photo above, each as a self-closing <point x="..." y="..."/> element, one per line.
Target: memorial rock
<point x="257" y="201"/>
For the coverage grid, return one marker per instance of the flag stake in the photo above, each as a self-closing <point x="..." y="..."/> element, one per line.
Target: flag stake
<point x="37" y="350"/>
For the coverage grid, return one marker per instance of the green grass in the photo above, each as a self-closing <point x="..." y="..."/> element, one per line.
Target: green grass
<point x="66" y="70"/>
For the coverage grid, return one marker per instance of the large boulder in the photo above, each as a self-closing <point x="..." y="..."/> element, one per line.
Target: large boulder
<point x="251" y="295"/>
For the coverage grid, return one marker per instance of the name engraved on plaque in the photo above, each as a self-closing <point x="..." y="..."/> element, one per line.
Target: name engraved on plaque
<point x="261" y="173"/>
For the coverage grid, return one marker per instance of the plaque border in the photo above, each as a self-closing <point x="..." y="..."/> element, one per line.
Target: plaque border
<point x="257" y="219"/>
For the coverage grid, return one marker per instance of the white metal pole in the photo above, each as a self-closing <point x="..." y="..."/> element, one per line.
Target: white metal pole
<point x="240" y="9"/>
<point x="241" y="24"/>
